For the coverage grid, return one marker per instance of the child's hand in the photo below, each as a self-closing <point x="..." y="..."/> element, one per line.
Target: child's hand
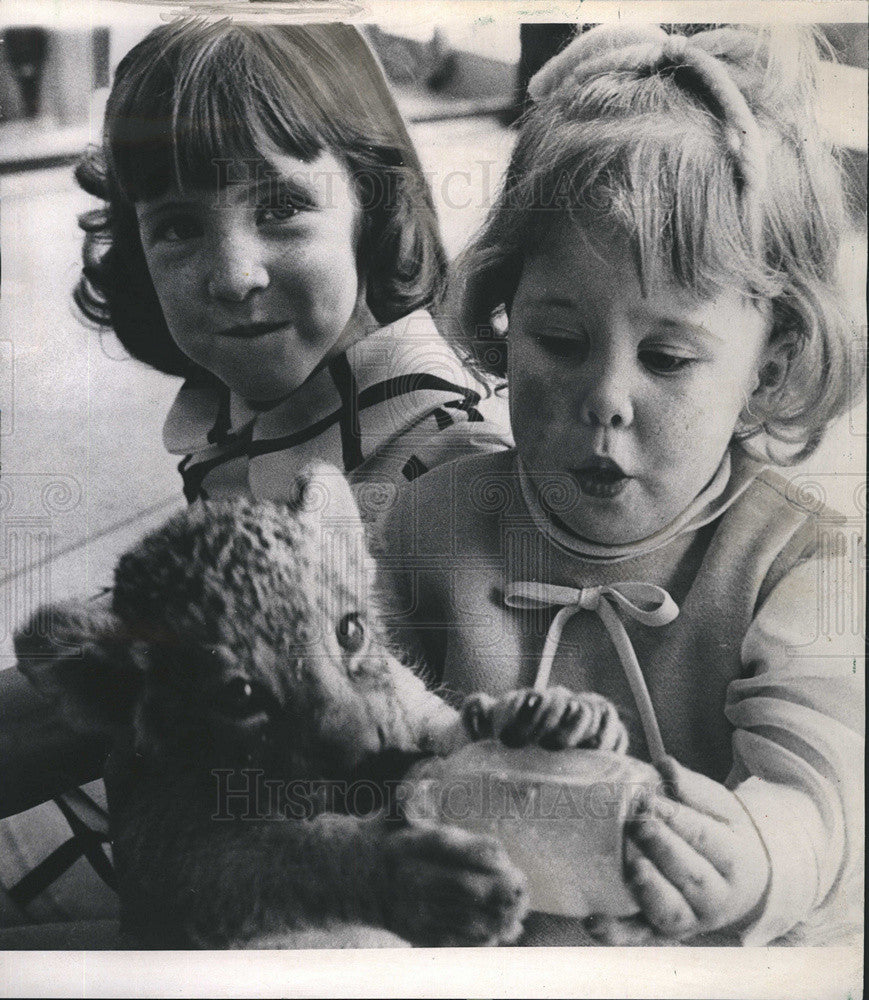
<point x="694" y="863"/>
<point x="555" y="719"/>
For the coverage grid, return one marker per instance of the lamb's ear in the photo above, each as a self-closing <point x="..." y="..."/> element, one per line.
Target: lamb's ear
<point x="78" y="656"/>
<point x="321" y="493"/>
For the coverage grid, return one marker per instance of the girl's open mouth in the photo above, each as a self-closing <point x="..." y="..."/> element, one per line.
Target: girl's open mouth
<point x="601" y="478"/>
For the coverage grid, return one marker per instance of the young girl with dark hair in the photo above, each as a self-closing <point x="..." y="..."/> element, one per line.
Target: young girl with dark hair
<point x="268" y="235"/>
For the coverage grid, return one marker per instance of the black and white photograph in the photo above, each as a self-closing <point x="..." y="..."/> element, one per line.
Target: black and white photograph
<point x="433" y="498"/>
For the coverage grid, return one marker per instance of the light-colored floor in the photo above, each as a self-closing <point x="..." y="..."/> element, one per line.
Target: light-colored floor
<point x="83" y="469"/>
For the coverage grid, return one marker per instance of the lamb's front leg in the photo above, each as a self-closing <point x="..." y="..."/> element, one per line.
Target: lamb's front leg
<point x="187" y="877"/>
<point x="433" y="725"/>
<point x="555" y="718"/>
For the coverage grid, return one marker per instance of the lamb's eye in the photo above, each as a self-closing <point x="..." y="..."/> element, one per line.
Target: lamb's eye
<point x="350" y="633"/>
<point x="241" y="698"/>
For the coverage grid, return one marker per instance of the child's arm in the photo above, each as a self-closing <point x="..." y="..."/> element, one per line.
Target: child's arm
<point x="401" y="587"/>
<point x="784" y="836"/>
<point x="798" y="745"/>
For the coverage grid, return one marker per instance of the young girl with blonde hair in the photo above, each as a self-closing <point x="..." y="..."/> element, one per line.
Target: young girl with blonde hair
<point x="664" y="251"/>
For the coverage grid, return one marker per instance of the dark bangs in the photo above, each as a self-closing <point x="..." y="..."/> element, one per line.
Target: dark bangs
<point x="210" y="99"/>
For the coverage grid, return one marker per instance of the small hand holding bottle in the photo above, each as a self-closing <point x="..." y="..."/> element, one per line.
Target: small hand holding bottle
<point x="694" y="862"/>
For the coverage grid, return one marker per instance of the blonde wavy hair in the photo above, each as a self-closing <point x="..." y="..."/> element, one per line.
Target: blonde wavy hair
<point x="649" y="145"/>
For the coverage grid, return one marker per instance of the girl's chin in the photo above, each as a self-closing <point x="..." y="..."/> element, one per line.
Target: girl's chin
<point x="613" y="527"/>
<point x="605" y="536"/>
<point x="259" y="392"/>
<point x="606" y="523"/>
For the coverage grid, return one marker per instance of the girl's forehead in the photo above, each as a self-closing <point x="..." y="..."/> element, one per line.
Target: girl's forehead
<point x="280" y="169"/>
<point x="577" y="255"/>
<point x="588" y="239"/>
<point x="261" y="177"/>
<point x="571" y="244"/>
<point x="187" y="150"/>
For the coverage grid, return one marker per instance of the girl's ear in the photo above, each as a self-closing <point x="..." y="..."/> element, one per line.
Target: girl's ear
<point x="79" y="657"/>
<point x="773" y="368"/>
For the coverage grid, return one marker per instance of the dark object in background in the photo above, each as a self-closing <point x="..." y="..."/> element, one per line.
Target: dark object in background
<point x="26" y="49"/>
<point x="850" y="43"/>
<point x="11" y="104"/>
<point x="538" y="44"/>
<point x="409" y="62"/>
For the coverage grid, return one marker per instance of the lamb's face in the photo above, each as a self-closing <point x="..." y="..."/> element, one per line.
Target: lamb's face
<point x="258" y="642"/>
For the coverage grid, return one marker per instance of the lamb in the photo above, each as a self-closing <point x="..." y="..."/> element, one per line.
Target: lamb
<point x="243" y="650"/>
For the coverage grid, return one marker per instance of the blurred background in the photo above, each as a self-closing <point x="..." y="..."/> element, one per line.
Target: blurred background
<point x="82" y="468"/>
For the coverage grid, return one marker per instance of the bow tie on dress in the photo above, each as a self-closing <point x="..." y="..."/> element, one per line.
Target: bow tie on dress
<point x="643" y="602"/>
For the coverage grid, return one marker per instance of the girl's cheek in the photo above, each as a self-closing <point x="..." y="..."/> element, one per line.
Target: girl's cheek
<point x="717" y="411"/>
<point x="531" y="403"/>
<point x="695" y="437"/>
<point x="533" y="388"/>
<point x="322" y="272"/>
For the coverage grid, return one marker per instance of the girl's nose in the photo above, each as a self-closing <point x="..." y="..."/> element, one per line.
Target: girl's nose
<point x="236" y="269"/>
<point x="607" y="401"/>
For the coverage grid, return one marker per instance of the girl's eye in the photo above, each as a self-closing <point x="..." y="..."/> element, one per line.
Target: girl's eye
<point x="280" y="203"/>
<point x="350" y="633"/>
<point x="241" y="698"/>
<point x="176" y="230"/>
<point x="663" y="363"/>
<point x="276" y="213"/>
<point x="563" y="347"/>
